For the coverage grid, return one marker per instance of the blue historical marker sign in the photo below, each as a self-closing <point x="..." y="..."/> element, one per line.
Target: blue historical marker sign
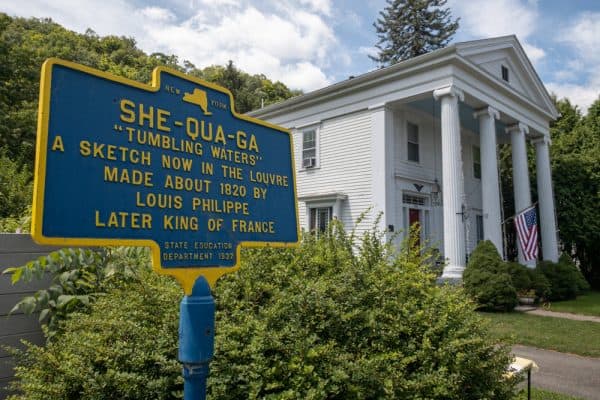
<point x="168" y="165"/>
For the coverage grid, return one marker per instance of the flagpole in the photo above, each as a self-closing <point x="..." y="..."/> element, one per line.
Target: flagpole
<point x="517" y="242"/>
<point x="517" y="213"/>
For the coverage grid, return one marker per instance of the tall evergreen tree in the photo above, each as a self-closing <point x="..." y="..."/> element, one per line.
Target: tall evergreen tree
<point x="408" y="28"/>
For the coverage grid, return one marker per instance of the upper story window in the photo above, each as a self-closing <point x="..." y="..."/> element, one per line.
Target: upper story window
<point x="309" y="148"/>
<point x="412" y="141"/>
<point x="504" y="73"/>
<point x="476" y="162"/>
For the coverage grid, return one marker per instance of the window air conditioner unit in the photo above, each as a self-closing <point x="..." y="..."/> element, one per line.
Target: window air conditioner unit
<point x="309" y="162"/>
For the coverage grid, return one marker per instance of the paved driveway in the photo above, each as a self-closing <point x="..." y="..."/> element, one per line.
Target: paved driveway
<point x="564" y="373"/>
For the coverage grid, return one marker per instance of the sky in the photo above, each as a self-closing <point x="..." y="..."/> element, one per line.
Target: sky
<point x="309" y="44"/>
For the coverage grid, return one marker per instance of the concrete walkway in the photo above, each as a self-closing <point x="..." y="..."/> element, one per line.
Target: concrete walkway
<point x="554" y="314"/>
<point x="563" y="373"/>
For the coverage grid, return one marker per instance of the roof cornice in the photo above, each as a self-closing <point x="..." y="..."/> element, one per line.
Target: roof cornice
<point x="448" y="55"/>
<point x="363" y="81"/>
<point x="497" y="84"/>
<point x="511" y="41"/>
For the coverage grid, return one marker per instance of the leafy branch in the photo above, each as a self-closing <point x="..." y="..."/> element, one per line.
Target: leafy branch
<point x="78" y="277"/>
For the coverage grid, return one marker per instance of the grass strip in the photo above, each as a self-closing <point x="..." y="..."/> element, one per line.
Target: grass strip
<point x="539" y="394"/>
<point x="586" y="304"/>
<point x="567" y="336"/>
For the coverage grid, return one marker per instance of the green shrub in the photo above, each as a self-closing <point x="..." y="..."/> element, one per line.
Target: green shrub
<point x="563" y="279"/>
<point x="125" y="347"/>
<point x="319" y="322"/>
<point x="520" y="275"/>
<point x="16" y="188"/>
<point x="582" y="283"/>
<point x="18" y="224"/>
<point x="324" y="323"/>
<point x="487" y="281"/>
<point x="540" y="284"/>
<point x="526" y="280"/>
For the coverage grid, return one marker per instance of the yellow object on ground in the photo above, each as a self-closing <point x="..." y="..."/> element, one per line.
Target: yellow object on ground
<point x="520" y="365"/>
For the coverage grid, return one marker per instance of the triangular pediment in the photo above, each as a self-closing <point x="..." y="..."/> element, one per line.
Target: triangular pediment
<point x="505" y="60"/>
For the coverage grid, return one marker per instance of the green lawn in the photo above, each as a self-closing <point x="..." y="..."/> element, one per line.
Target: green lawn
<point x="588" y="304"/>
<point x="567" y="336"/>
<point x="538" y="394"/>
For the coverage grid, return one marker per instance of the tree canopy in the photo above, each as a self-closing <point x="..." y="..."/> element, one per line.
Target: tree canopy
<point x="409" y="28"/>
<point x="26" y="43"/>
<point x="250" y="91"/>
<point x="575" y="163"/>
<point x="575" y="156"/>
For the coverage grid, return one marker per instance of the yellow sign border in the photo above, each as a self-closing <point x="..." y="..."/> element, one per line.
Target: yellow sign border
<point x="185" y="276"/>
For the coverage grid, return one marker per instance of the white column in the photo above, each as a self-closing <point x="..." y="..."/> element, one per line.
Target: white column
<point x="546" y="200"/>
<point x="520" y="174"/>
<point x="382" y="164"/>
<point x="452" y="182"/>
<point x="336" y="209"/>
<point x="490" y="188"/>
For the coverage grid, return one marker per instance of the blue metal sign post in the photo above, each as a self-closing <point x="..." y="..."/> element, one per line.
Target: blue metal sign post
<point x="169" y="165"/>
<point x="196" y="338"/>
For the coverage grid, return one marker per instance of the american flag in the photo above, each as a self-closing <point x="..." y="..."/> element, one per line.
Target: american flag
<point x="526" y="224"/>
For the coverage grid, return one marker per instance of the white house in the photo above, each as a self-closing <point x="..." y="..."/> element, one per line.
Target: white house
<point x="418" y="141"/>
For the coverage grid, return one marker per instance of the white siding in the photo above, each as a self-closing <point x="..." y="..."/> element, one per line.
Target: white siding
<point x="344" y="166"/>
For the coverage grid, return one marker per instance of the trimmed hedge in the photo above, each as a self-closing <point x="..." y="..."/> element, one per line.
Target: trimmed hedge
<point x="487" y="281"/>
<point x="566" y="280"/>
<point x="526" y="280"/>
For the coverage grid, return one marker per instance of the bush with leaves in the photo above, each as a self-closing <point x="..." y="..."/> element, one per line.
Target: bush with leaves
<point x="562" y="284"/>
<point x="521" y="276"/>
<point x="540" y="284"/>
<point x="318" y="322"/>
<point x="78" y="277"/>
<point x="326" y="323"/>
<point x="566" y="281"/>
<point x="528" y="281"/>
<point x="487" y="281"/>
<point x="123" y="347"/>
<point x="18" y="224"/>
<point x="16" y="188"/>
<point x="582" y="283"/>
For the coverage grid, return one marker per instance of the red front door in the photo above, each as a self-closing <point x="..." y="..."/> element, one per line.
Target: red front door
<point x="414" y="217"/>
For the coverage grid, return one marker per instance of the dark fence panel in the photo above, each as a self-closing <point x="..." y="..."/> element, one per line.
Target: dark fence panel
<point x="16" y="250"/>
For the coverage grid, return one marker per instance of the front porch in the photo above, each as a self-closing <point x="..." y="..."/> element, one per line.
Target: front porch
<point x="440" y="169"/>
